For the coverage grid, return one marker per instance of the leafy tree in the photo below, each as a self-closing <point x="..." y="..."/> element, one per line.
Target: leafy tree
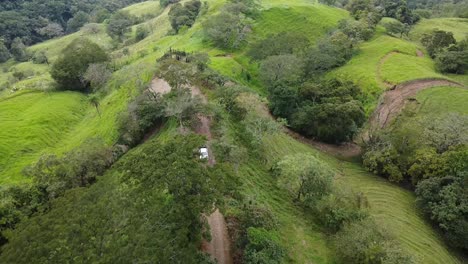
<point x="145" y="112"/>
<point x="96" y="75"/>
<point x="183" y="106"/>
<point x="399" y="10"/>
<point x="365" y="242"/>
<point x="328" y="2"/>
<point x="305" y="176"/>
<point x="446" y="132"/>
<point x="69" y="69"/>
<point x="446" y="201"/>
<point x="78" y="168"/>
<point x="263" y="247"/>
<point x="332" y="51"/>
<point x="280" y="69"/>
<point x="279" y="44"/>
<point x="40" y="57"/>
<point x="184" y="15"/>
<point x="341" y="207"/>
<point x="118" y="25"/>
<point x="52" y="30"/>
<point x="165" y="3"/>
<point x="283" y="100"/>
<point x="78" y="20"/>
<point x="18" y="50"/>
<point x="452" y="61"/>
<point x="356" y="30"/>
<point x="436" y="41"/>
<point x="226" y="30"/>
<point x="396" y="27"/>
<point x="382" y="159"/>
<point x="329" y="111"/>
<point x="4" y="53"/>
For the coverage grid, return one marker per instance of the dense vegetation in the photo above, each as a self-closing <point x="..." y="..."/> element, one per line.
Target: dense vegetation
<point x="33" y="21"/>
<point x="432" y="162"/>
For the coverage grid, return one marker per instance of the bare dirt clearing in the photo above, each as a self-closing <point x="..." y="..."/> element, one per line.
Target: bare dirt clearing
<point x="159" y="86"/>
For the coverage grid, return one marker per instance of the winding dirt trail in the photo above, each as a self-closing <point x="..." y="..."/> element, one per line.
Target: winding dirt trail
<point x="393" y="100"/>
<point x="219" y="247"/>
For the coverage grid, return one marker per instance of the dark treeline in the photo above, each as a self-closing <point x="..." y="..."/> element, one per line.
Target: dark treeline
<point x="439" y="8"/>
<point x="33" y="21"/>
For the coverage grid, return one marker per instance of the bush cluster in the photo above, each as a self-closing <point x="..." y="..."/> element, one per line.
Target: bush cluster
<point x="434" y="164"/>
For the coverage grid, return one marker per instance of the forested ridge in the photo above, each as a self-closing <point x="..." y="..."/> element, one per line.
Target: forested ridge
<point x="33" y="21"/>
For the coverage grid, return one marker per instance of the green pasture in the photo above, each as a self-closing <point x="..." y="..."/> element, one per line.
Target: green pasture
<point x="458" y="26"/>
<point x="34" y="123"/>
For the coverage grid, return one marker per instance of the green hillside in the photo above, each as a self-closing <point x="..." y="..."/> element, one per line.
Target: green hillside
<point x="36" y="120"/>
<point x="458" y="26"/>
<point x="34" y="123"/>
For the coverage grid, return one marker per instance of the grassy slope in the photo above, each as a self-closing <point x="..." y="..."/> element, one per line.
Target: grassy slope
<point x="436" y="102"/>
<point x="143" y="8"/>
<point x="442" y="100"/>
<point x="370" y="70"/>
<point x="459" y="27"/>
<point x="393" y="207"/>
<point x="34" y="123"/>
<point x="63" y="133"/>
<point x="299" y="235"/>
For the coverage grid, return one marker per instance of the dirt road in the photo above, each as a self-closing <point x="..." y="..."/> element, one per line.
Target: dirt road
<point x="393" y="101"/>
<point x="219" y="247"/>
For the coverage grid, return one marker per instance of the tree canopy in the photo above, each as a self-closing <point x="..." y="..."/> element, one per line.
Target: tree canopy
<point x="69" y="69"/>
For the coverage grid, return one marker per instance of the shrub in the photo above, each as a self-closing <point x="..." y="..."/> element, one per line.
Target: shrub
<point x="278" y="44"/>
<point x="226" y="30"/>
<point x="263" y="247"/>
<point x="437" y="40"/>
<point x="306" y="177"/>
<point x="40" y="57"/>
<point x="364" y="242"/>
<point x="452" y="61"/>
<point x="341" y="207"/>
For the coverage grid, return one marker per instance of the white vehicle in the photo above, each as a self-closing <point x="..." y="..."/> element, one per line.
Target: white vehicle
<point x="203" y="153"/>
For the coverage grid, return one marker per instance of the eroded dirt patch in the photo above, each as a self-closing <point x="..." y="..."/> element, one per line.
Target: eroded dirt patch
<point x="393" y="101"/>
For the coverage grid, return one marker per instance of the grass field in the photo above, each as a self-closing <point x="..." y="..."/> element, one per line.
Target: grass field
<point x="393" y="207"/>
<point x="32" y="124"/>
<point x="434" y="103"/>
<point x="458" y="26"/>
<point x="441" y="100"/>
<point x="364" y="68"/>
<point x="144" y="8"/>
<point x="400" y="67"/>
<point x="375" y="64"/>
